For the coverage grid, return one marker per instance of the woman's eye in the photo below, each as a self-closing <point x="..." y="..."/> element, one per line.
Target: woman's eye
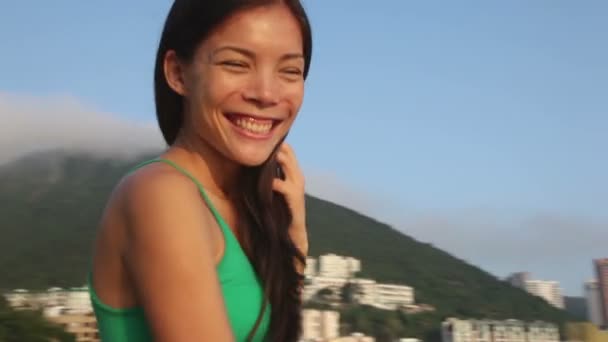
<point x="234" y="64"/>
<point x="293" y="71"/>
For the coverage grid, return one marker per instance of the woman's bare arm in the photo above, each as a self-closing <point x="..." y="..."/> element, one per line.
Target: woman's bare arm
<point x="170" y="258"/>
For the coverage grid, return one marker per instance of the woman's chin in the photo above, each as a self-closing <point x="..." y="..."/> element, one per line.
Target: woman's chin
<point x="251" y="159"/>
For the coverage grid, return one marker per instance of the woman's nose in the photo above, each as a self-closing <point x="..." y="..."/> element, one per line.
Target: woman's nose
<point x="263" y="90"/>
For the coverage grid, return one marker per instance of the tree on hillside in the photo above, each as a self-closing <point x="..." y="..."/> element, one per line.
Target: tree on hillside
<point x="350" y="293"/>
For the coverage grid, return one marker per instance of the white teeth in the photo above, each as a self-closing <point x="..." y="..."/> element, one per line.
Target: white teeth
<point x="254" y="127"/>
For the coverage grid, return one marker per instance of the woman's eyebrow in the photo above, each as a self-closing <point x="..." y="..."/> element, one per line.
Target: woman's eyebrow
<point x="242" y="51"/>
<point x="251" y="54"/>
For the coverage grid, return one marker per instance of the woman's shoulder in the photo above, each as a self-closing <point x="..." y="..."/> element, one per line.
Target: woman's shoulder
<point x="161" y="207"/>
<point x="157" y="189"/>
<point x="156" y="179"/>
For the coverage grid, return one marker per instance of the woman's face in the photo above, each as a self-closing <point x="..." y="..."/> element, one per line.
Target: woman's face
<point x="245" y="84"/>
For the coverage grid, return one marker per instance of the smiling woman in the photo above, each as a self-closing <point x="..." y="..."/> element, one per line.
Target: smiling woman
<point x="208" y="241"/>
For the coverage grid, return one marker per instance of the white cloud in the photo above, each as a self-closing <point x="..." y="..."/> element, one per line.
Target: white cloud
<point x="32" y="124"/>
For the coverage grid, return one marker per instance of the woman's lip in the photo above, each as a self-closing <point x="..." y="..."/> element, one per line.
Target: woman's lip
<point x="252" y="135"/>
<point x="255" y="117"/>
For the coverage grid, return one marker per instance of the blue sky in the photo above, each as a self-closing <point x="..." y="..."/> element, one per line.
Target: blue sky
<point x="487" y="114"/>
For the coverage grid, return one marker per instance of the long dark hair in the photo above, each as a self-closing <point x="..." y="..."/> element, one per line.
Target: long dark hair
<point x="266" y="217"/>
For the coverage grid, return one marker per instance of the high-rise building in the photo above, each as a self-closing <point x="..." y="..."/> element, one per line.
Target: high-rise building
<point x="601" y="269"/>
<point x="549" y="290"/>
<point x="592" y="297"/>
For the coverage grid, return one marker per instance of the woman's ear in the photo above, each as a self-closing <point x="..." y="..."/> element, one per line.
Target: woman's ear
<point x="174" y="72"/>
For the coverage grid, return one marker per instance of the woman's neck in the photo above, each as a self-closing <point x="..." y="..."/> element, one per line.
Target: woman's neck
<point x="217" y="173"/>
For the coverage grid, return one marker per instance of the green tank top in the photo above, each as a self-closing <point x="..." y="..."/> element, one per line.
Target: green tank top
<point x="241" y="289"/>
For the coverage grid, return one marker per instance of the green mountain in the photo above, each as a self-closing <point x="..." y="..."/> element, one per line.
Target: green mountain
<point x="50" y="204"/>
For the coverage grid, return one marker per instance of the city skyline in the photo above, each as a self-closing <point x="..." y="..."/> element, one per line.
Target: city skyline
<point x="475" y="128"/>
<point x="72" y="307"/>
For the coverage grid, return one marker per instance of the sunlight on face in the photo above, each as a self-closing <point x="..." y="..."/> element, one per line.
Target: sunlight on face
<point x="246" y="84"/>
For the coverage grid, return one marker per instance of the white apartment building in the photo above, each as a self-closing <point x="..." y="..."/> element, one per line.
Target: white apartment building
<point x="78" y="299"/>
<point x="75" y="299"/>
<point x="383" y="296"/>
<point x="366" y="291"/>
<point x="328" y="282"/>
<point x="17" y="298"/>
<point x="70" y="308"/>
<point x="336" y="266"/>
<point x="82" y="324"/>
<point x="309" y="290"/>
<point x="313" y="285"/>
<point x="542" y="332"/>
<point x="55" y="296"/>
<point x="457" y="330"/>
<point x="334" y="271"/>
<point x="369" y="292"/>
<point x="509" y="331"/>
<point x="592" y="296"/>
<point x="548" y="290"/>
<point x="320" y="325"/>
<point x="311" y="267"/>
<point x="394" y="296"/>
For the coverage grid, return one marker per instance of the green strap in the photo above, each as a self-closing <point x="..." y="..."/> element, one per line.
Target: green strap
<point x="216" y="213"/>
